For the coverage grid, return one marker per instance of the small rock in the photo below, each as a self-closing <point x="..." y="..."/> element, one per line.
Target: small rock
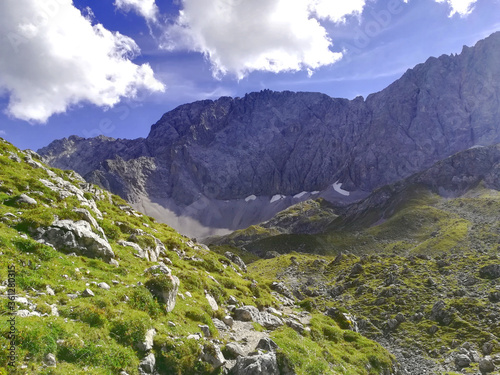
<point x="267" y="344"/>
<point x="256" y="364"/>
<point x="103" y="286"/>
<point x="159" y="268"/>
<point x="245" y="313"/>
<point x="205" y="329"/>
<point x="49" y="290"/>
<point x="272" y="310"/>
<point x="232" y="301"/>
<point x="228" y="320"/>
<point x="356" y="269"/>
<point x="487" y="347"/>
<point x="392" y="324"/>
<point x="147" y="344"/>
<point x="462" y="360"/>
<point x="147" y="365"/>
<point x="212" y="302"/>
<point x="400" y="318"/>
<point x="281" y="288"/>
<point x="494" y="296"/>
<point x="296" y="326"/>
<point x="219" y="324"/>
<point x="212" y="354"/>
<point x="486" y="366"/>
<point x="114" y="262"/>
<point x="433" y="329"/>
<point x="236" y="260"/>
<point x="50" y="360"/>
<point x="88" y="293"/>
<point x="440" y="314"/>
<point x="24" y="199"/>
<point x="234" y="350"/>
<point x="491" y="271"/>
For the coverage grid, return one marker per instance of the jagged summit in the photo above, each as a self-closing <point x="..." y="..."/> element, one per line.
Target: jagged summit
<point x="201" y="160"/>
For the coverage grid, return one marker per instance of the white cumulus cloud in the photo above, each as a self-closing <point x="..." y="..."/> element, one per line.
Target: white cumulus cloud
<point x="241" y="36"/>
<point x="462" y="7"/>
<point x="146" y="8"/>
<point x="52" y="57"/>
<point x="336" y="10"/>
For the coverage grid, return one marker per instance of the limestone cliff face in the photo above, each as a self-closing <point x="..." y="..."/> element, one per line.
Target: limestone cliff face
<point x="271" y="143"/>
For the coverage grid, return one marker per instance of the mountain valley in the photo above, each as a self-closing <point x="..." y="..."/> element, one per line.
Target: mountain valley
<point x="333" y="236"/>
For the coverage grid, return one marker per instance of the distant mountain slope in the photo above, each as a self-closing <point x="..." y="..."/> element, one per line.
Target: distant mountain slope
<point x="452" y="206"/>
<point x="201" y="160"/>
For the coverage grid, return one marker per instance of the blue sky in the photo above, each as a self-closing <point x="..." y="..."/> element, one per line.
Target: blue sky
<point x="113" y="67"/>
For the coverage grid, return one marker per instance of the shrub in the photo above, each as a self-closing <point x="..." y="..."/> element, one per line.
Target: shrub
<point x="92" y="315"/>
<point x="130" y="330"/>
<point x="142" y="300"/>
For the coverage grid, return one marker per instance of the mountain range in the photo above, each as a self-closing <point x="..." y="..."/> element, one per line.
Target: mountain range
<point x="214" y="166"/>
<point x="344" y="236"/>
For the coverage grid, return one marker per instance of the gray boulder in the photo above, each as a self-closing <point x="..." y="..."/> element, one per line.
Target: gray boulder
<point x="258" y="364"/>
<point x="87" y="216"/>
<point x="486" y="366"/>
<point x="70" y="236"/>
<point x="212" y="302"/>
<point x="282" y="289"/>
<point x="88" y="293"/>
<point x="165" y="288"/>
<point x="491" y="271"/>
<point x="251" y="313"/>
<point x="462" y="360"/>
<point x="212" y="354"/>
<point x="158" y="268"/>
<point x="440" y="314"/>
<point x="267" y="344"/>
<point x="104" y="285"/>
<point x="236" y="260"/>
<point x="234" y="350"/>
<point x="50" y="360"/>
<point x="24" y="199"/>
<point x="147" y="365"/>
<point x="147" y="344"/>
<point x="246" y="313"/>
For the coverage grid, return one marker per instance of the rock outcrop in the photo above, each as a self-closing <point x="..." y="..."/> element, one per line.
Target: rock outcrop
<point x="70" y="236"/>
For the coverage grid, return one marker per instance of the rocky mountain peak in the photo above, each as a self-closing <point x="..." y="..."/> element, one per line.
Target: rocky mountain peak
<point x="203" y="159"/>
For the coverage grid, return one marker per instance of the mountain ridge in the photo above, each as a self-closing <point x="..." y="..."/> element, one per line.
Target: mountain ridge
<point x="266" y="144"/>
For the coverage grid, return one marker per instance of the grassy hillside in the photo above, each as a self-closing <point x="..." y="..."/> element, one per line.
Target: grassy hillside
<point x="407" y="264"/>
<point x="88" y="314"/>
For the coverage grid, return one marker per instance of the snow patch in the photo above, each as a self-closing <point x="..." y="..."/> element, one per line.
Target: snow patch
<point x="250" y="198"/>
<point x="300" y="195"/>
<point x="276" y="197"/>
<point x="315" y="192"/>
<point x="338" y="188"/>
